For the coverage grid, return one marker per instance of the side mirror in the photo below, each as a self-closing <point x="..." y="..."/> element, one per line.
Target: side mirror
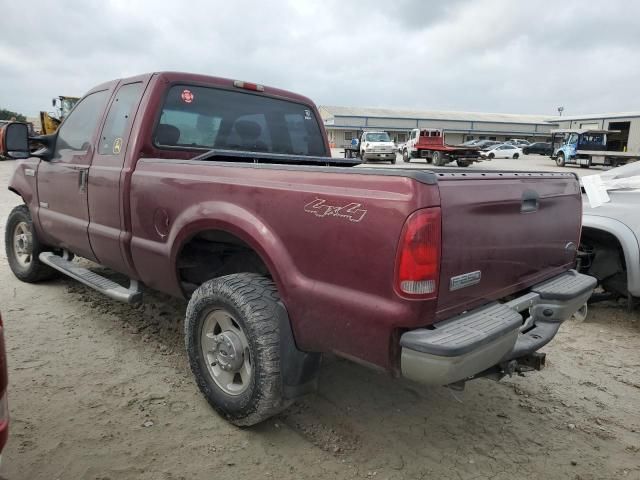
<point x="14" y="140"/>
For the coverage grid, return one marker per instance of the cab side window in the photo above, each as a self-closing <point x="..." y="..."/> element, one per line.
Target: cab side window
<point x="116" y="127"/>
<point x="76" y="132"/>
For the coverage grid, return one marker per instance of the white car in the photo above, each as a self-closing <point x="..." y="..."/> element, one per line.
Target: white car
<point x="502" y="151"/>
<point x="518" y="142"/>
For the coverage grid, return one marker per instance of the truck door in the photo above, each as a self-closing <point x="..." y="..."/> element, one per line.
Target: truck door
<point x="62" y="181"/>
<point x="106" y="203"/>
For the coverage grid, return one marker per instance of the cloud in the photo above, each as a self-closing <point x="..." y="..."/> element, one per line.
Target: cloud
<point x="486" y="55"/>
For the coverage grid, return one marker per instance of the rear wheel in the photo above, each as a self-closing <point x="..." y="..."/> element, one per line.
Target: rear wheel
<point x="491" y="155"/>
<point x="233" y="343"/>
<point x="438" y="159"/>
<point x="516" y="156"/>
<point x="23" y="248"/>
<point x="560" y="159"/>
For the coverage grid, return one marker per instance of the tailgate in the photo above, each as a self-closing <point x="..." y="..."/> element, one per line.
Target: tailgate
<point x="503" y="232"/>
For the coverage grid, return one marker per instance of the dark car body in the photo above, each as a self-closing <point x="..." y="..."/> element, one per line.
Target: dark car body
<point x="540" y="148"/>
<point x="4" y="386"/>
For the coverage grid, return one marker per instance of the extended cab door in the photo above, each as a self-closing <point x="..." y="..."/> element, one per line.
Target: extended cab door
<point x="62" y="181"/>
<point x="106" y="224"/>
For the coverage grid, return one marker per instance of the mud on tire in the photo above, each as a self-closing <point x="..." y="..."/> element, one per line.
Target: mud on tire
<point x="22" y="253"/>
<point x="252" y="301"/>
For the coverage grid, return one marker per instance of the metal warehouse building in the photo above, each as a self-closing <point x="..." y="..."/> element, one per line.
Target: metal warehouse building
<point x="628" y="140"/>
<point x="343" y="123"/>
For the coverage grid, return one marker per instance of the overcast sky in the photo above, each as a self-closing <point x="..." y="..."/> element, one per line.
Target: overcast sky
<point x="484" y="55"/>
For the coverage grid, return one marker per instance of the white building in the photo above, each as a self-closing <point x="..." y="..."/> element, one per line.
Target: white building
<point x="344" y="123"/>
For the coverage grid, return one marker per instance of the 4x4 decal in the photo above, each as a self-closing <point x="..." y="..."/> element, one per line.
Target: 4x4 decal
<point x="351" y="211"/>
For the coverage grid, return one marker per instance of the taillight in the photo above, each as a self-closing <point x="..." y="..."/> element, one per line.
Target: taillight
<point x="248" y="86"/>
<point x="418" y="258"/>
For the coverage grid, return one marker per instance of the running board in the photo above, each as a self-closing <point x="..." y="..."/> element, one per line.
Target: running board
<point x="91" y="279"/>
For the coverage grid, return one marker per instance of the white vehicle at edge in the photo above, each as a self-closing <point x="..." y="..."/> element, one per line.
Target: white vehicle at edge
<point x="377" y="146"/>
<point x="502" y="151"/>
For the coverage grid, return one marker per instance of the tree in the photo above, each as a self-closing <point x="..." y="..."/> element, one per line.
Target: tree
<point x="8" y="115"/>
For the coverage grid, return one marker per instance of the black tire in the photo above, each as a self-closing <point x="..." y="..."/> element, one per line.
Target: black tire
<point x="405" y="156"/>
<point x="491" y="155"/>
<point x="362" y="159"/>
<point x="463" y="163"/>
<point x="525" y="151"/>
<point x="252" y="301"/>
<point x="34" y="270"/>
<point x="393" y="162"/>
<point x="516" y="156"/>
<point x="437" y="159"/>
<point x="560" y="159"/>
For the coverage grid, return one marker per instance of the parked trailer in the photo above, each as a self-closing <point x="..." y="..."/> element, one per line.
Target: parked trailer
<point x="586" y="147"/>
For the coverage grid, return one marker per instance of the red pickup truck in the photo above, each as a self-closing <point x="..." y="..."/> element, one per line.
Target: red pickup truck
<point x="224" y="192"/>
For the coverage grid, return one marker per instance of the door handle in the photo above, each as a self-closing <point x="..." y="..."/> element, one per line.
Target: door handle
<point x="530" y="201"/>
<point x="82" y="179"/>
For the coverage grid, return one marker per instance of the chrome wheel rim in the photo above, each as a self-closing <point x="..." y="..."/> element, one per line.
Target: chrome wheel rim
<point x="23" y="244"/>
<point x="225" y="350"/>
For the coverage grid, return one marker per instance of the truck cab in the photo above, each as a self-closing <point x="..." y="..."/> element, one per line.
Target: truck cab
<point x="377" y="146"/>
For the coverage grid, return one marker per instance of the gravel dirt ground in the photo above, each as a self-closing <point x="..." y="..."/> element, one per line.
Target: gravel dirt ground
<point x="102" y="390"/>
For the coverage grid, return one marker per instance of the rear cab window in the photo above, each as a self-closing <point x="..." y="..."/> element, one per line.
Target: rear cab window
<point x="205" y="118"/>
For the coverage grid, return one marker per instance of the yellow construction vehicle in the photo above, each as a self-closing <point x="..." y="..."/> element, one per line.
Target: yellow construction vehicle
<point x="50" y="121"/>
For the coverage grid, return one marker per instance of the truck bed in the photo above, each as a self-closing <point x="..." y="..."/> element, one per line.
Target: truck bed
<point x="335" y="271"/>
<point x="608" y="153"/>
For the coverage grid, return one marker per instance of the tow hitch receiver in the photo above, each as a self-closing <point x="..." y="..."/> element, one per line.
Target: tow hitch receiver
<point x="533" y="361"/>
<point x="518" y="366"/>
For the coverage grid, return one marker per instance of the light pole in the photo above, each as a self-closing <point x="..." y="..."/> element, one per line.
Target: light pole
<point x="560" y="110"/>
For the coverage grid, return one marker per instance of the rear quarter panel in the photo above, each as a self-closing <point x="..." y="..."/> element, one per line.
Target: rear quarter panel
<point x="335" y="274"/>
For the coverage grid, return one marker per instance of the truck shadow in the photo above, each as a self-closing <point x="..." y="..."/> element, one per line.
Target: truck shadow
<point x="517" y="428"/>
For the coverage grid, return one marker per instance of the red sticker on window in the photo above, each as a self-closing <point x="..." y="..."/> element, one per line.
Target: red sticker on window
<point x="187" y="96"/>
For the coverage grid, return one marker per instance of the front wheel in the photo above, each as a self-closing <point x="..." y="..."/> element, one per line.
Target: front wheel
<point x="232" y="337"/>
<point x="405" y="156"/>
<point x="23" y="248"/>
<point x="362" y="159"/>
<point x="491" y="156"/>
<point x="560" y="159"/>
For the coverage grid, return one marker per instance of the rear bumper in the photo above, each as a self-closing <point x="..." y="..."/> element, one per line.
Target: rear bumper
<point x="493" y="335"/>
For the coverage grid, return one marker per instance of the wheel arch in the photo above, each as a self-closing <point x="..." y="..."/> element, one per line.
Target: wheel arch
<point x="626" y="240"/>
<point x="232" y="220"/>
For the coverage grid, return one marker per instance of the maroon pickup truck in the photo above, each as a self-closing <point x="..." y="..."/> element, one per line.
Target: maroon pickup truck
<point x="224" y="192"/>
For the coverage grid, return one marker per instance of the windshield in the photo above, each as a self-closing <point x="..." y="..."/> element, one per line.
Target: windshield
<point x="66" y="104"/>
<point x="204" y="118"/>
<point x="377" y="137"/>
